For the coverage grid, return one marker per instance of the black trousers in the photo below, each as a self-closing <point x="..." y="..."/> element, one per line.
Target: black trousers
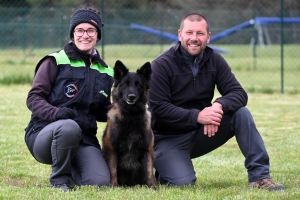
<point x="72" y="161"/>
<point x="173" y="153"/>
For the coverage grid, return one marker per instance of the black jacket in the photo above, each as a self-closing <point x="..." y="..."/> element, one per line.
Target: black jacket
<point x="176" y="96"/>
<point x="70" y="78"/>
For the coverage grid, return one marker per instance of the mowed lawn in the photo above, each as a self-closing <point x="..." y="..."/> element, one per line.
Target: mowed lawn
<point x="262" y="71"/>
<point x="221" y="174"/>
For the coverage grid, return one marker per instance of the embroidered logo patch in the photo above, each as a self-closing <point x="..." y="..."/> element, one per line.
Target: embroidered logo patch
<point x="102" y="92"/>
<point x="71" y="90"/>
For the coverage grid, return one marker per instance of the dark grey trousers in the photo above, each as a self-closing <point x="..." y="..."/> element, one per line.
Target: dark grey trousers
<point x="72" y="161"/>
<point x="173" y="153"/>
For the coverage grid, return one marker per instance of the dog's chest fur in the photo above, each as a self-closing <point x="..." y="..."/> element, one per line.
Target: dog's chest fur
<point x="130" y="136"/>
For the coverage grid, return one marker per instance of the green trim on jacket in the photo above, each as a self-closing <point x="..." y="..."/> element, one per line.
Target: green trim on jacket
<point x="62" y="58"/>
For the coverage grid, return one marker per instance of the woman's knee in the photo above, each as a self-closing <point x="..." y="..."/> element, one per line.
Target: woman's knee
<point x="92" y="180"/>
<point x="68" y="129"/>
<point x="65" y="133"/>
<point x="99" y="180"/>
<point x="89" y="167"/>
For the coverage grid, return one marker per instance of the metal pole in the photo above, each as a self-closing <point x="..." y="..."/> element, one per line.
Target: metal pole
<point x="161" y="25"/>
<point x="282" y="45"/>
<point x="102" y="32"/>
<point x="254" y="36"/>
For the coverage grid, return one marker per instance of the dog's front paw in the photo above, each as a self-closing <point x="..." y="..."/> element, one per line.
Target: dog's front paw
<point x="151" y="184"/>
<point x="114" y="183"/>
<point x="153" y="187"/>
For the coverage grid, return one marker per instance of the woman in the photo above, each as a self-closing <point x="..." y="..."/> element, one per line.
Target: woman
<point x="70" y="92"/>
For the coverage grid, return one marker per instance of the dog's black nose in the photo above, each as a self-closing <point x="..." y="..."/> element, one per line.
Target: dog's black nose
<point x="131" y="97"/>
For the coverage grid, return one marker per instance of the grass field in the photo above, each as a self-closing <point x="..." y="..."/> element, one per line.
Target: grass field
<point x="260" y="74"/>
<point x="221" y="174"/>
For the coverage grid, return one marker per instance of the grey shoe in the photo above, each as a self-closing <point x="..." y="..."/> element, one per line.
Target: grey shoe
<point x="267" y="184"/>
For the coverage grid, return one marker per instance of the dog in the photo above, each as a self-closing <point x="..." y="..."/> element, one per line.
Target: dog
<point x="128" y="138"/>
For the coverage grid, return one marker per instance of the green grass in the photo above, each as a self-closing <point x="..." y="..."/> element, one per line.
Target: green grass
<point x="221" y="173"/>
<point x="259" y="75"/>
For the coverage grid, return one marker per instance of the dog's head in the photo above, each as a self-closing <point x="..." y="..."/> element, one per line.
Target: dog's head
<point x="131" y="86"/>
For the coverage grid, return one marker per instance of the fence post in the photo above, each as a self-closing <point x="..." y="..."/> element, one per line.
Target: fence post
<point x="282" y="44"/>
<point x="102" y="32"/>
<point x="254" y="39"/>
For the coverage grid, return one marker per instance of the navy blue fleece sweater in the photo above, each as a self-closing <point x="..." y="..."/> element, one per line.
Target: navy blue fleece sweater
<point x="176" y="96"/>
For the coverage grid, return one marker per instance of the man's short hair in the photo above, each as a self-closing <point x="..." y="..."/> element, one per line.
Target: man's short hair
<point x="194" y="17"/>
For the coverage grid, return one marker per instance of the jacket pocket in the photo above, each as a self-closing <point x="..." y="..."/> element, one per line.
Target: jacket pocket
<point x="32" y="130"/>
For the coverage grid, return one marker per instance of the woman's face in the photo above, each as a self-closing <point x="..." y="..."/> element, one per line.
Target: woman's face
<point x="85" y="37"/>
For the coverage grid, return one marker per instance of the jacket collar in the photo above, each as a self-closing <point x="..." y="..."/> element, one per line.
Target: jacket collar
<point x="75" y="54"/>
<point x="206" y="54"/>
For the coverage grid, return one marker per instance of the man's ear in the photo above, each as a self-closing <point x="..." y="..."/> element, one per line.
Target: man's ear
<point x="208" y="39"/>
<point x="179" y="35"/>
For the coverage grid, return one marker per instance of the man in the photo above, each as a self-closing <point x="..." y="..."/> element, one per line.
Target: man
<point x="185" y="122"/>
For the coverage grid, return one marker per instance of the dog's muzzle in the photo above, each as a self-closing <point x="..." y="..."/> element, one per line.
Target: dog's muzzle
<point x="131" y="99"/>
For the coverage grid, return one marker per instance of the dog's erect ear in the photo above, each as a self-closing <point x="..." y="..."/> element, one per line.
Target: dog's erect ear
<point x="119" y="70"/>
<point x="145" y="71"/>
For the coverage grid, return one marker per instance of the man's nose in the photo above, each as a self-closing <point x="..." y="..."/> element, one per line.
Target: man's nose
<point x="194" y="36"/>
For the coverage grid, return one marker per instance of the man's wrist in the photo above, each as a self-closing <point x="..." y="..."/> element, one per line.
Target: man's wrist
<point x="217" y="105"/>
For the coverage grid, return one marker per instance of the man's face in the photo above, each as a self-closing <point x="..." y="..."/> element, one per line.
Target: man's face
<point x="194" y="37"/>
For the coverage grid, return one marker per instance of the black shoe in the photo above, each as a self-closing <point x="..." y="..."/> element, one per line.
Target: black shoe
<point x="65" y="187"/>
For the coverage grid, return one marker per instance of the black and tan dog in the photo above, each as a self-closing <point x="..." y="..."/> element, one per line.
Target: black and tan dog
<point x="128" y="138"/>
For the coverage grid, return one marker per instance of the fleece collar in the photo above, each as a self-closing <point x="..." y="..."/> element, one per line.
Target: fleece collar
<point x="75" y="54"/>
<point x="206" y="54"/>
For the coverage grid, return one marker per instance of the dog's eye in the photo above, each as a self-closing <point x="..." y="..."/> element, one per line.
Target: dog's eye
<point x="125" y="84"/>
<point x="138" y="84"/>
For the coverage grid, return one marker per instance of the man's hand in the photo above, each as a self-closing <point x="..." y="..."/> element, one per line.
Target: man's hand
<point x="210" y="130"/>
<point x="211" y="117"/>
